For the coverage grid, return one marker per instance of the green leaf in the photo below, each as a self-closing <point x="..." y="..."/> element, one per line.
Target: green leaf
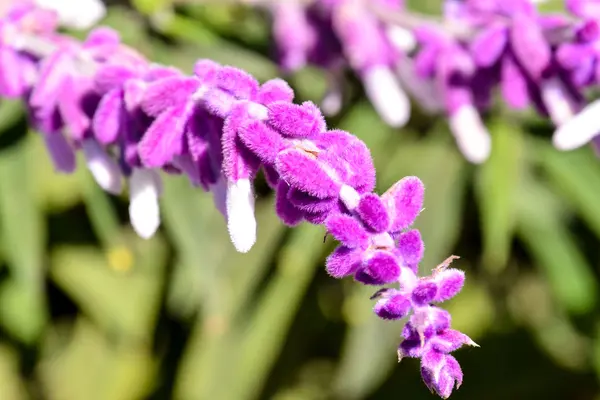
<point x="596" y="350"/>
<point x="243" y="281"/>
<point x="541" y="228"/>
<point x="552" y="6"/>
<point x="576" y="175"/>
<point x="200" y="237"/>
<point x="236" y="279"/>
<point x="101" y="212"/>
<point x="183" y="28"/>
<point x="91" y="366"/>
<point x="472" y="310"/>
<point x="12" y="385"/>
<point x="309" y="84"/>
<point x="532" y="304"/>
<point x="496" y="188"/>
<point x="369" y="342"/>
<point x="11" y="111"/>
<point x="22" y="310"/>
<point x="262" y="338"/>
<point x="125" y="300"/>
<point x="150" y="7"/>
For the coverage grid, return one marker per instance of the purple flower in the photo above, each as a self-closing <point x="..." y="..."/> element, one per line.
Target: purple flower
<point x="368" y="249"/>
<point x="219" y="127"/>
<point x="427" y="334"/>
<point x="371" y="55"/>
<point x="452" y="68"/>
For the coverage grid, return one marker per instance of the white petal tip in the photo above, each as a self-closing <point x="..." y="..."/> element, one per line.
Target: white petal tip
<point x="144" y="212"/>
<point x="241" y="222"/>
<point x="403" y="39"/>
<point x="579" y="130"/>
<point x="144" y="226"/>
<point x="80" y="14"/>
<point x="108" y="181"/>
<point x="564" y="140"/>
<point x="103" y="168"/>
<point x="559" y="102"/>
<point x="471" y="135"/>
<point x="478" y="153"/>
<point x="387" y="96"/>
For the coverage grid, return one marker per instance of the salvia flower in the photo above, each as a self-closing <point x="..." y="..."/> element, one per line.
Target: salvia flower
<point x="219" y="127"/>
<point x="453" y="65"/>
<point x="328" y="32"/>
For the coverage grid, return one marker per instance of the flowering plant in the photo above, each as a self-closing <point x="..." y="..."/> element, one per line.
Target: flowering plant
<point x="453" y="64"/>
<point x="219" y="127"/>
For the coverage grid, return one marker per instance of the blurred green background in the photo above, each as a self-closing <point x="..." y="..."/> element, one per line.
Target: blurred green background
<point x="89" y="311"/>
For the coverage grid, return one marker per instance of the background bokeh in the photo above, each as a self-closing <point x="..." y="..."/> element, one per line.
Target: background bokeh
<point x="88" y="311"/>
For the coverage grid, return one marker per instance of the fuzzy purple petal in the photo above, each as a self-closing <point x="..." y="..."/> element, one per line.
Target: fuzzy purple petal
<point x="379" y="269"/>
<point x="393" y="307"/>
<point x="207" y="71"/>
<point x="439" y="319"/>
<point x="449" y="340"/>
<point x="11" y="74"/>
<point x="316" y="218"/>
<point x="425" y="62"/>
<point x="61" y="152"/>
<point x="373" y="213"/>
<point x="358" y="165"/>
<point x="296" y="121"/>
<point x="310" y="204"/>
<point x="343" y="262"/>
<point x="513" y="84"/>
<point x="262" y="140"/>
<point x="237" y="82"/>
<point x="450" y="282"/>
<point x="529" y="45"/>
<point x="275" y="90"/>
<point x="109" y="117"/>
<point x="410" y="348"/>
<point x="453" y="369"/>
<point x="289" y="214"/>
<point x="435" y="376"/>
<point x="167" y="93"/>
<point x="238" y="161"/>
<point x="305" y="173"/>
<point x="53" y="73"/>
<point x="157" y="72"/>
<point x="411" y="248"/>
<point x="111" y="77"/>
<point x="404" y="201"/>
<point x="71" y="100"/>
<point x="164" y="138"/>
<point x="424" y="293"/>
<point x="347" y="230"/>
<point x="489" y="44"/>
<point x="102" y="36"/>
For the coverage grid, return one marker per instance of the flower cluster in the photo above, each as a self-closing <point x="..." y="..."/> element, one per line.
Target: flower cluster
<point x="333" y="33"/>
<point x="455" y="64"/>
<point x="377" y="248"/>
<point x="219" y="127"/>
